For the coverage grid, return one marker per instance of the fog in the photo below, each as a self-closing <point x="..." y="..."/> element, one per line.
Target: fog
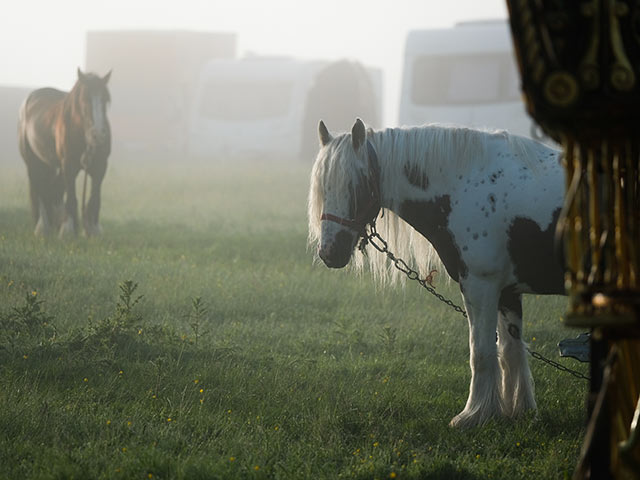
<point x="42" y="43"/>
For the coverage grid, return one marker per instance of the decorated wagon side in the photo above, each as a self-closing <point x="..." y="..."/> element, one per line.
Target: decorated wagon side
<point x="464" y="75"/>
<point x="154" y="75"/>
<point x="269" y="107"/>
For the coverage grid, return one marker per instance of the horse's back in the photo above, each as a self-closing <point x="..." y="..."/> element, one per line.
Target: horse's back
<point x="36" y="124"/>
<point x="40" y="101"/>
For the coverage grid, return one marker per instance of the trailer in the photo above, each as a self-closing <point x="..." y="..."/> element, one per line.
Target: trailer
<point x="153" y="81"/>
<point x="10" y="100"/>
<point x="269" y="107"/>
<point x="464" y="75"/>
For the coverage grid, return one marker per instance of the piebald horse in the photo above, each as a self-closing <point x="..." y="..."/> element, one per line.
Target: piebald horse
<point x="59" y="134"/>
<point x="484" y="204"/>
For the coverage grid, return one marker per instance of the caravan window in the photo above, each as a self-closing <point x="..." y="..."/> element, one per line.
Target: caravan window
<point x="465" y="79"/>
<point x="242" y="100"/>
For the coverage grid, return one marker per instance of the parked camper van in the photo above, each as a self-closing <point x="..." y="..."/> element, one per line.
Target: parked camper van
<point x="463" y="75"/>
<point x="269" y="108"/>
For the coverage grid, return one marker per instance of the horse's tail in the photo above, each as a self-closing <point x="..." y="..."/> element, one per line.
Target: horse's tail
<point x="22" y="140"/>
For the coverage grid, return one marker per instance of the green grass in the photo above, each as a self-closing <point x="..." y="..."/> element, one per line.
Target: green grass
<point x="232" y="355"/>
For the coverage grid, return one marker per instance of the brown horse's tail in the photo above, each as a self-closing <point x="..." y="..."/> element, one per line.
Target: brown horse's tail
<point x="84" y="196"/>
<point x="30" y="159"/>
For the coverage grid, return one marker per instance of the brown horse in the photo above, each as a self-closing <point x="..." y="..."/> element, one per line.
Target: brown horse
<point x="59" y="134"/>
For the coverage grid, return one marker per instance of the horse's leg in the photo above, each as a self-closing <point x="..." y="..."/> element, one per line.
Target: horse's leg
<point x="36" y="172"/>
<point x="70" y="223"/>
<point x="41" y="187"/>
<point x="481" y="300"/>
<point x="517" y="382"/>
<point x="92" y="213"/>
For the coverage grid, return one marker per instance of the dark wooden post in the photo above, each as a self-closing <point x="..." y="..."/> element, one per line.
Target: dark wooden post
<point x="580" y="68"/>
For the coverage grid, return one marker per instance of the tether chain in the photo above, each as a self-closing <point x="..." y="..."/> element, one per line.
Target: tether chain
<point x="380" y="244"/>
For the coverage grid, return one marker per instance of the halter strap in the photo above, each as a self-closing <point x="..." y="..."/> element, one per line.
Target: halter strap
<point x="372" y="208"/>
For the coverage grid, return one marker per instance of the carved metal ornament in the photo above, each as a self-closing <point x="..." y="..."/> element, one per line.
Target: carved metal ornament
<point x="575" y="58"/>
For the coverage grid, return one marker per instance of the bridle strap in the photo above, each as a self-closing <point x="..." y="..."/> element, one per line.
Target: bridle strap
<point x="346" y="222"/>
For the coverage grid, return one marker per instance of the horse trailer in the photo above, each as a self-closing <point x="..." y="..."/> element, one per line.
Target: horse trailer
<point x="154" y="76"/>
<point x="269" y="107"/>
<point x="10" y="98"/>
<point x="464" y="75"/>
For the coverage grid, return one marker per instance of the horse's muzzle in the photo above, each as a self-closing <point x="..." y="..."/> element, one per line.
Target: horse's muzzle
<point x="337" y="254"/>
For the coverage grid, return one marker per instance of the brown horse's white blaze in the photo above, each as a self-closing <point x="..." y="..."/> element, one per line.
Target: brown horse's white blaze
<point x="59" y="134"/>
<point x="486" y="203"/>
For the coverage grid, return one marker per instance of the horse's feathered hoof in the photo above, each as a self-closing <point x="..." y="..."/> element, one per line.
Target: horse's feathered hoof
<point x="67" y="229"/>
<point x="93" y="230"/>
<point x="473" y="417"/>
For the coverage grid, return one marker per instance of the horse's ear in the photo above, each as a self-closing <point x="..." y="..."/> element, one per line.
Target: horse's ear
<point x="323" y="134"/>
<point x="358" y="134"/>
<point x="80" y="74"/>
<point x="106" y="78"/>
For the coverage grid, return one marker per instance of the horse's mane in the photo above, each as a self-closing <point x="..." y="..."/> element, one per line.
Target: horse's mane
<point x="425" y="148"/>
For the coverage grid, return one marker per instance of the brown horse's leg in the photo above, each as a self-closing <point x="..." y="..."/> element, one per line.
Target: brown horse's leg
<point x="92" y="213"/>
<point x="45" y="193"/>
<point x="34" y="166"/>
<point x="70" y="223"/>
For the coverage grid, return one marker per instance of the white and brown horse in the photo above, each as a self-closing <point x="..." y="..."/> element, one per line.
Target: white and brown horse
<point x="484" y="204"/>
<point x="59" y="134"/>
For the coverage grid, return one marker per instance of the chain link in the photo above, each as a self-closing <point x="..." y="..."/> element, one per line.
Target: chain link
<point x="374" y="239"/>
<point x="557" y="365"/>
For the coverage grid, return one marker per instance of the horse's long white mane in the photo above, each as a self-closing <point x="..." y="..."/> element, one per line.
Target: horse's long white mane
<point x="436" y="150"/>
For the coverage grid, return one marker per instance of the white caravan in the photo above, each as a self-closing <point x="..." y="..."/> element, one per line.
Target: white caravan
<point x="269" y="108"/>
<point x="465" y="75"/>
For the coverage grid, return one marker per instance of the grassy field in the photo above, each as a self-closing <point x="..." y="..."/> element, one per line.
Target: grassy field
<point x="196" y="339"/>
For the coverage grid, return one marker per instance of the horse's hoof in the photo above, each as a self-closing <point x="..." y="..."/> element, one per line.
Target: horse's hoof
<point x="39" y="231"/>
<point x="462" y="421"/>
<point x="93" y="230"/>
<point x="67" y="229"/>
<point x="466" y="419"/>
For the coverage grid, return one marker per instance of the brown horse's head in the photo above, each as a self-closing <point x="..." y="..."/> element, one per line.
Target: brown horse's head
<point x="89" y="98"/>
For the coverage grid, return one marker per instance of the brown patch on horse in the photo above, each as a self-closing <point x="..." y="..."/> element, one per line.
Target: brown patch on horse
<point x="431" y="219"/>
<point x="533" y="255"/>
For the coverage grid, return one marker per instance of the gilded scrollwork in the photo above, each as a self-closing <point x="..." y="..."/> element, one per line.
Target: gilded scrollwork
<point x="589" y="68"/>
<point x="622" y="75"/>
<point x="561" y="89"/>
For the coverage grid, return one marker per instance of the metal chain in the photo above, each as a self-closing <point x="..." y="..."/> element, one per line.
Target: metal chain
<point x="557" y="365"/>
<point x="374" y="239"/>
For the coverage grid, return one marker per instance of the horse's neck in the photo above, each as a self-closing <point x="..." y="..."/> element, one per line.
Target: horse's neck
<point x="402" y="175"/>
<point x="72" y="108"/>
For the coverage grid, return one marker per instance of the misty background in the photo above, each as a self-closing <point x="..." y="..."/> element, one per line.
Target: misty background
<point x="42" y="43"/>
